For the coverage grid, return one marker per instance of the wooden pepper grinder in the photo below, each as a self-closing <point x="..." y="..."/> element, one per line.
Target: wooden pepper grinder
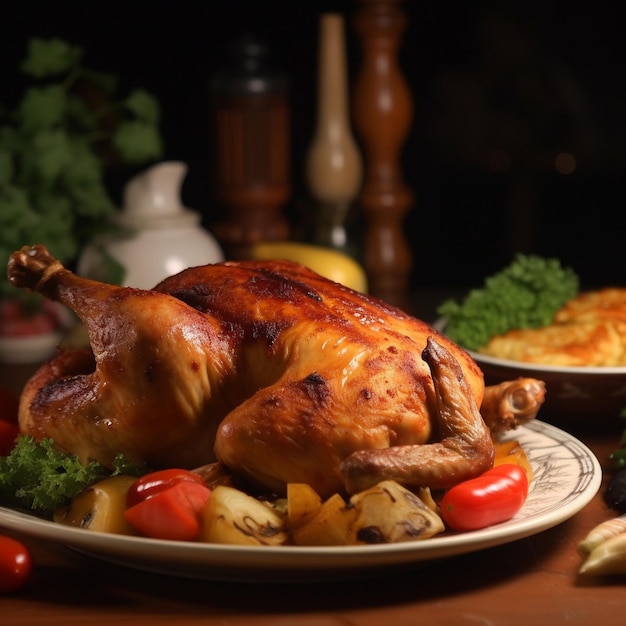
<point x="250" y="123"/>
<point x="383" y="111"/>
<point x="333" y="166"/>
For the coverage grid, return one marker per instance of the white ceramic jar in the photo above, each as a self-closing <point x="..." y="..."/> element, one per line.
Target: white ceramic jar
<point x="157" y="235"/>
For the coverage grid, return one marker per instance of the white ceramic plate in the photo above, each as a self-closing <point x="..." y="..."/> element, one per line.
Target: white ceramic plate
<point x="567" y="476"/>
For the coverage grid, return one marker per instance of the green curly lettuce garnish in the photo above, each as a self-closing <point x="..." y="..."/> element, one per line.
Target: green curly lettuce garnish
<point x="37" y="476"/>
<point x="525" y="294"/>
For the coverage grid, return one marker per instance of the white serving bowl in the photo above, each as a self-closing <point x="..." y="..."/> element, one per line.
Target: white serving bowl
<point x="31" y="349"/>
<point x="574" y="392"/>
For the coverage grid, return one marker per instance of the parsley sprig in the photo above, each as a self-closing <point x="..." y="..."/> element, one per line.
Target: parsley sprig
<point x="525" y="294"/>
<point x="37" y="476"/>
<point x="54" y="145"/>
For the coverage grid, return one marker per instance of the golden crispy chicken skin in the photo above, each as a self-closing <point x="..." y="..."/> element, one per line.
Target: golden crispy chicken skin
<point x="278" y="373"/>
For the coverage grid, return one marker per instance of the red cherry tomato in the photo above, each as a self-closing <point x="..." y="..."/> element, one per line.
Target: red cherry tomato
<point x="15" y="565"/>
<point x="9" y="403"/>
<point x="8" y="434"/>
<point x="173" y="513"/>
<point x="149" y="485"/>
<point x="491" y="498"/>
<point x="16" y="322"/>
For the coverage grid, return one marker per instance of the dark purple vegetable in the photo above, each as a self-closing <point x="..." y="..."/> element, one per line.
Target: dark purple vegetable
<point x="615" y="494"/>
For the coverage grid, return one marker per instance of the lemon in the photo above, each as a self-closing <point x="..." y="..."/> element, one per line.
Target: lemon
<point x="331" y="264"/>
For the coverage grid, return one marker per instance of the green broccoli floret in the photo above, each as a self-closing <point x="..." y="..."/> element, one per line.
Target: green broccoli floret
<point x="37" y="476"/>
<point x="525" y="294"/>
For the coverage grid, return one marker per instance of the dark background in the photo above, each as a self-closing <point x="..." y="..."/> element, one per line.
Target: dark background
<point x="499" y="89"/>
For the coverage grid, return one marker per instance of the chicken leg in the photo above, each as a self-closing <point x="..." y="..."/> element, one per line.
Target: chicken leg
<point x="146" y="388"/>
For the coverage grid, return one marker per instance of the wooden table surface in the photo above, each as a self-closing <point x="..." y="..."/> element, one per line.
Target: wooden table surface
<point x="531" y="580"/>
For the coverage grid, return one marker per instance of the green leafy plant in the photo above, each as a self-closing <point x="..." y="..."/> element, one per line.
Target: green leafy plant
<point x="55" y="145"/>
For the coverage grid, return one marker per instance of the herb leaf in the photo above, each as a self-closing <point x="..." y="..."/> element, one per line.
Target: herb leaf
<point x="50" y="57"/>
<point x="55" y="145"/>
<point x="39" y="477"/>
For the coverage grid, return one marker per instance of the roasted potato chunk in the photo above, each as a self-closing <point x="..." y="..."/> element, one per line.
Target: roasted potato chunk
<point x="328" y="527"/>
<point x="389" y="513"/>
<point x="385" y="513"/>
<point x="303" y="502"/>
<point x="100" y="507"/>
<point x="234" y="517"/>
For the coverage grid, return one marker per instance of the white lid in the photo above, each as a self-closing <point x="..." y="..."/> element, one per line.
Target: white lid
<point x="152" y="199"/>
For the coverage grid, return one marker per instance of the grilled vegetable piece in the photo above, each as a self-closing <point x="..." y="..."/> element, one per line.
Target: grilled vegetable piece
<point x="150" y="484"/>
<point x="607" y="559"/>
<point x="601" y="533"/>
<point x="174" y="513"/>
<point x="385" y="513"/>
<point x="303" y="502"/>
<point x="389" y="513"/>
<point x="234" y="517"/>
<point x="512" y="452"/>
<point x="328" y="527"/>
<point x="99" y="507"/>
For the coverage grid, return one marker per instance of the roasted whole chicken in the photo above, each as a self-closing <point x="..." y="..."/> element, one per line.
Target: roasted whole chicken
<point x="268" y="369"/>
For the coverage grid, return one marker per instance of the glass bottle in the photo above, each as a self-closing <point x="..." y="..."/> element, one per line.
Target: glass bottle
<point x="250" y="124"/>
<point x="333" y="164"/>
